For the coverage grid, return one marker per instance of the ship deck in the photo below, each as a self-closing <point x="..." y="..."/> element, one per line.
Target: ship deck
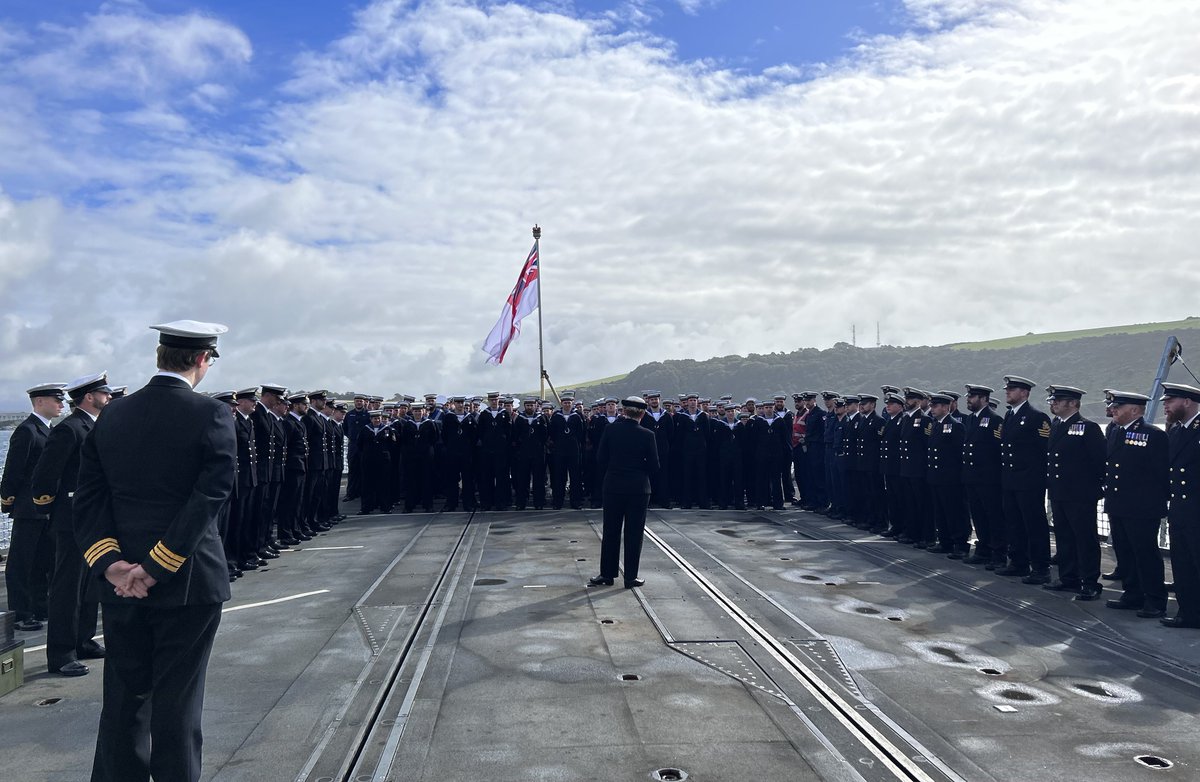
<point x="764" y="645"/>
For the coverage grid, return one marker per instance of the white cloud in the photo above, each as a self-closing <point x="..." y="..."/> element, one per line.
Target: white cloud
<point x="126" y="50"/>
<point x="1021" y="166"/>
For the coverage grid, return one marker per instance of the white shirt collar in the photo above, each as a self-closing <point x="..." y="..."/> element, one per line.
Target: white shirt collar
<point x="1017" y="408"/>
<point x="1190" y="420"/>
<point x="42" y="418"/>
<point x="89" y="415"/>
<point x="165" y="373"/>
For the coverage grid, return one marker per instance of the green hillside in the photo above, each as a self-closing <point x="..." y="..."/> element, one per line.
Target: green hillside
<point x="1065" y="336"/>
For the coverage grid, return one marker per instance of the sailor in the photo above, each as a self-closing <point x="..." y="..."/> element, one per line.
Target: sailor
<point x="693" y="448"/>
<point x="1182" y="406"/>
<point x="153" y="476"/>
<point x="628" y="457"/>
<point x="913" y="463"/>
<point x="228" y="540"/>
<point x="271" y="446"/>
<point x="658" y="420"/>
<point x="889" y="465"/>
<point x="375" y="455"/>
<point x="356" y="419"/>
<point x="595" y="432"/>
<point x="814" y="444"/>
<point x="830" y="439"/>
<point x="981" y="478"/>
<point x="318" y="464"/>
<point x="1135" y="498"/>
<point x="729" y="461"/>
<point x="1024" y="438"/>
<point x="943" y="449"/>
<point x="564" y="442"/>
<point x="31" y="545"/>
<point x="72" y="616"/>
<point x="247" y="493"/>
<point x="783" y="433"/>
<point x="797" y="461"/>
<point x="529" y="433"/>
<point x="1074" y="481"/>
<point x="458" y="441"/>
<point x="337" y="417"/>
<point x="869" y="444"/>
<point x="291" y="494"/>
<point x="417" y="439"/>
<point x="494" y="425"/>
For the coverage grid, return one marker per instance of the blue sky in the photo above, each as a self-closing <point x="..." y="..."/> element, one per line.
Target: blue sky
<point x="350" y="187"/>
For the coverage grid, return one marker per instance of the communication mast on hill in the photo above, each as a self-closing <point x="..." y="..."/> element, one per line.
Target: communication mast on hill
<point x="877" y="343"/>
<point x="854" y="334"/>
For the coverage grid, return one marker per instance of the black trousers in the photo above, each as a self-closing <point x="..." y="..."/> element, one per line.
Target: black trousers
<point x="1185" y="565"/>
<point x="291" y="500"/>
<point x="354" y="478"/>
<point x="623" y="512"/>
<point x="333" y="492"/>
<point x="660" y="482"/>
<point x="528" y="470"/>
<point x="893" y="499"/>
<point x="460" y="481"/>
<point x="242" y="532"/>
<point x="817" y="493"/>
<point x="1136" y="544"/>
<point x="493" y="479"/>
<point x="949" y="517"/>
<point x="916" y="506"/>
<point x="1078" y="541"/>
<point x="800" y="473"/>
<point x="154" y="675"/>
<point x="265" y="513"/>
<point x="987" y="513"/>
<point x="565" y="464"/>
<point x="1028" y="530"/>
<point x="314" y="484"/>
<point x="73" y="620"/>
<point x="418" y="481"/>
<point x="374" y="475"/>
<point x="695" y="478"/>
<point x="30" y="564"/>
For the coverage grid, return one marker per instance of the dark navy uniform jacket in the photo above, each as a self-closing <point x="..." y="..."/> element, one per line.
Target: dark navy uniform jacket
<point x="24" y="449"/>
<point x="662" y="429"/>
<point x="912" y="444"/>
<point x="1075" y="466"/>
<point x="868" y="442"/>
<point x="267" y="430"/>
<point x="493" y="430"/>
<point x="57" y="473"/>
<point x="1024" y="438"/>
<point x="297" y="444"/>
<point x="1184" y="466"/>
<point x="981" y="448"/>
<point x="153" y="478"/>
<point x="943" y="451"/>
<point x="889" y="446"/>
<point x="627" y="457"/>
<point x="1136" y="479"/>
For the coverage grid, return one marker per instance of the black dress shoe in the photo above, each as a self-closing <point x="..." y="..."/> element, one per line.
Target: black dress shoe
<point x="304" y="536"/>
<point x="1088" y="593"/>
<point x="1179" y="621"/>
<point x="249" y="564"/>
<point x="90" y="651"/>
<point x="289" y="542"/>
<point x="1013" y="570"/>
<point x="266" y="553"/>
<point x="74" y="668"/>
<point x="1059" y="586"/>
<point x="28" y="625"/>
<point x="1036" y="577"/>
<point x="1121" y="605"/>
<point x="1116" y="575"/>
<point x="939" y="549"/>
<point x="1150" y="612"/>
<point x="975" y="559"/>
<point x="598" y="581"/>
<point x="630" y="583"/>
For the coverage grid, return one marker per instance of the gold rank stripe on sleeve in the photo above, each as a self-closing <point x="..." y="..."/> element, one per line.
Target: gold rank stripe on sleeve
<point x="168" y="559"/>
<point x="1044" y="429"/>
<point x="45" y="499"/>
<point x="99" y="549"/>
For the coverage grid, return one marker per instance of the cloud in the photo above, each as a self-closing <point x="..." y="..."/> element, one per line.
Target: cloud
<point x="126" y="50"/>
<point x="1001" y="167"/>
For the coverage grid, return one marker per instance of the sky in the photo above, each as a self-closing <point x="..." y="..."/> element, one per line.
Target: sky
<point x="351" y="187"/>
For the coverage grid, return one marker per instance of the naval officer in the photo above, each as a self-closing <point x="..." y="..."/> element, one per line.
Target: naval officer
<point x="153" y="477"/>
<point x="72" y="616"/>
<point x="31" y="547"/>
<point x="1074" y="480"/>
<point x="1182" y="406"/>
<point x="627" y="457"/>
<point x="1135" y="498"/>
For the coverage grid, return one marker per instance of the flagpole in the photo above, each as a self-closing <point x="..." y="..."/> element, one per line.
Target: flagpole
<point x="537" y="241"/>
